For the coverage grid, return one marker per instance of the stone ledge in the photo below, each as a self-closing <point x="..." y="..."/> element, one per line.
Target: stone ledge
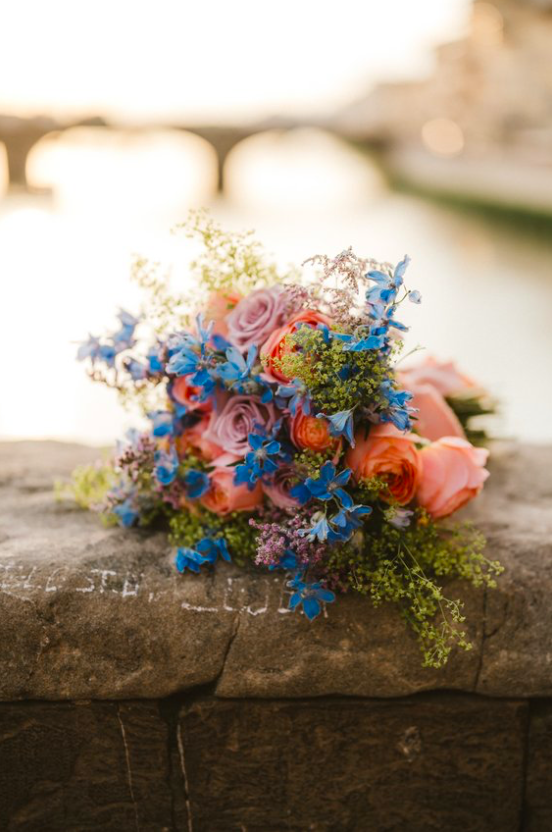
<point x="87" y="612"/>
<point x="448" y="761"/>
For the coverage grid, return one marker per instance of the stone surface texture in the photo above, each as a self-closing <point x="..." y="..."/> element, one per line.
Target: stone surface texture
<point x="101" y="613"/>
<point x="132" y="698"/>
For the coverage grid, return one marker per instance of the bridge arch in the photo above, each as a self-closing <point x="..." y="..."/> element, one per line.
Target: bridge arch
<point x="300" y="166"/>
<point x="157" y="161"/>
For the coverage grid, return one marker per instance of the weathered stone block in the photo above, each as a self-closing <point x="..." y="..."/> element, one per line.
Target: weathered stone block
<point x="83" y="767"/>
<point x="538" y="790"/>
<point x="91" y="612"/>
<point x="422" y="763"/>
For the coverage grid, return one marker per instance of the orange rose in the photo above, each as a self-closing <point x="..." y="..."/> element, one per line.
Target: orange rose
<point x="218" y="306"/>
<point x="183" y="392"/>
<point x="275" y="347"/>
<point x="224" y="496"/>
<point x="453" y="474"/>
<point x="390" y="455"/>
<point x="310" y="432"/>
<point x="193" y="439"/>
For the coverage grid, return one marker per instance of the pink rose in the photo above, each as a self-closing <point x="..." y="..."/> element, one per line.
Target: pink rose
<point x="442" y="375"/>
<point x="453" y="473"/>
<point x="224" y="496"/>
<point x="278" y="490"/>
<point x="256" y="316"/>
<point x="390" y="455"/>
<point x="237" y="418"/>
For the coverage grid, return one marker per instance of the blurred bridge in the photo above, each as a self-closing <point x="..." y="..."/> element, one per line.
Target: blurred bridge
<point x="20" y="135"/>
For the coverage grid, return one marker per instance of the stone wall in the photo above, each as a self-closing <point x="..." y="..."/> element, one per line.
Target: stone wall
<point x="135" y="698"/>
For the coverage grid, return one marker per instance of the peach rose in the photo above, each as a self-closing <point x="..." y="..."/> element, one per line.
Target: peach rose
<point x="183" y="392"/>
<point x="224" y="497"/>
<point x="453" y="473"/>
<point x="275" y="347"/>
<point x="310" y="432"/>
<point x="218" y="306"/>
<point x="391" y="455"/>
<point x="442" y="375"/>
<point x="193" y="439"/>
<point x="435" y="418"/>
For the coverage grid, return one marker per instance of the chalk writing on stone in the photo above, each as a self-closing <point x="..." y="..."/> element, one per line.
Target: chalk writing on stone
<point x="20" y="581"/>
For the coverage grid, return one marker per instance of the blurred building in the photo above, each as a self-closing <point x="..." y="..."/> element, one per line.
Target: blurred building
<point x="489" y="98"/>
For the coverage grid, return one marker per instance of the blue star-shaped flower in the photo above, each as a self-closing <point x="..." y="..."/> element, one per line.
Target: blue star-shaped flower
<point x="126" y="512"/>
<point x="330" y="485"/>
<point x="341" y="424"/>
<point x="309" y="596"/>
<point x="166" y="467"/>
<point x="197" y="484"/>
<point x="298" y="394"/>
<point x="187" y="558"/>
<point x="288" y="561"/>
<point x="163" y="422"/>
<point x="258" y="462"/>
<point x="213" y="548"/>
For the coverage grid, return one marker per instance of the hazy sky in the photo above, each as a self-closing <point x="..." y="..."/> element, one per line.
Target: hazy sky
<point x="212" y="58"/>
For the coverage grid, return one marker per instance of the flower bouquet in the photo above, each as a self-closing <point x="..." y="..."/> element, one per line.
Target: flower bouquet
<point x="283" y="433"/>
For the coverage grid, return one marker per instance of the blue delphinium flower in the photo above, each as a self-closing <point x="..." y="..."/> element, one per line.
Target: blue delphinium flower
<point x="163" y="422"/>
<point x="213" y="548"/>
<point x="197" y="484"/>
<point x="297" y="393"/>
<point x="124" y="336"/>
<point x="236" y="368"/>
<point x="166" y="467"/>
<point x="288" y="561"/>
<point x="154" y="357"/>
<point x="207" y="550"/>
<point x="126" y="512"/>
<point x="382" y="302"/>
<point x="341" y="424"/>
<point x="189" y="357"/>
<point x="397" y="411"/>
<point x="237" y="373"/>
<point x="301" y="493"/>
<point x="319" y="529"/>
<point x="348" y="520"/>
<point x="330" y="485"/>
<point x="257" y="462"/>
<point x="365" y="339"/>
<point x="107" y="353"/>
<point x="414" y="296"/>
<point x="89" y="349"/>
<point x="135" y="369"/>
<point x="187" y="558"/>
<point x="310" y="596"/>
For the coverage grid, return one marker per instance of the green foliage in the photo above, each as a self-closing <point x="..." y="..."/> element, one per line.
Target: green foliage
<point x="467" y="408"/>
<point x="308" y="463"/>
<point x="402" y="566"/>
<point x="89" y="485"/>
<point x="228" y="260"/>
<point x="167" y="310"/>
<point x="319" y="365"/>
<point x="188" y="527"/>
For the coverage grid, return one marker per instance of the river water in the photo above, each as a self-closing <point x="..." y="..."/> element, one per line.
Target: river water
<point x="486" y="287"/>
